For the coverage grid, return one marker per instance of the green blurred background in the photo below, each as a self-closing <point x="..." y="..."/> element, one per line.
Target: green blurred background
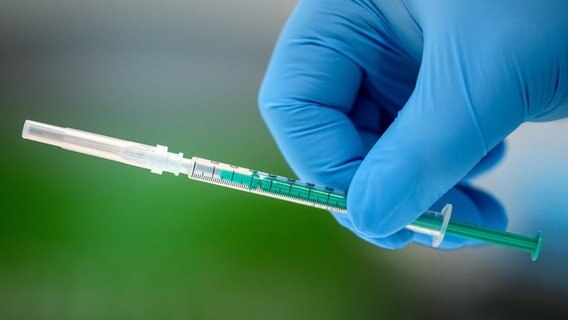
<point x="84" y="238"/>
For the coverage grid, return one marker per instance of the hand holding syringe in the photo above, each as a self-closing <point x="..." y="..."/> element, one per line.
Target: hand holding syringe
<point x="158" y="159"/>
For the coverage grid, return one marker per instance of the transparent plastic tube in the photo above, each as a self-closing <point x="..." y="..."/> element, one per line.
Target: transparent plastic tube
<point x="158" y="159"/>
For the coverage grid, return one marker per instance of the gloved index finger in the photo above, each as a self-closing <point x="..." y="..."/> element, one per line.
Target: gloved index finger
<point x="310" y="86"/>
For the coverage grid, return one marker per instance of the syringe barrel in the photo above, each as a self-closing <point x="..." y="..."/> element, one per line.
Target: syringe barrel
<point x="157" y="158"/>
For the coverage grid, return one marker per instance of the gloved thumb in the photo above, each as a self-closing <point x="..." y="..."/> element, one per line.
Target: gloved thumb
<point x="446" y="127"/>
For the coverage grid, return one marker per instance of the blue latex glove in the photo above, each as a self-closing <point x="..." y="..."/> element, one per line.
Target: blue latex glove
<point x="400" y="101"/>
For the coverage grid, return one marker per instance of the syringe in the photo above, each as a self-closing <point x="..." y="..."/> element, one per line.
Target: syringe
<point x="158" y="160"/>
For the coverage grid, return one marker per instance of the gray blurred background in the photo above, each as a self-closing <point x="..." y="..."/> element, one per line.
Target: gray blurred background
<point x="83" y="238"/>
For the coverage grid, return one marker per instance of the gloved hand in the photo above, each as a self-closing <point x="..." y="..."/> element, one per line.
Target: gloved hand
<point x="400" y="102"/>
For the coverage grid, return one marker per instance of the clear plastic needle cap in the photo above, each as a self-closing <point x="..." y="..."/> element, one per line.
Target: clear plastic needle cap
<point x="157" y="158"/>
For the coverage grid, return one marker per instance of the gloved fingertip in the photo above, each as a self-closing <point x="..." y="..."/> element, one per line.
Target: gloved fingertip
<point x="395" y="241"/>
<point x="491" y="211"/>
<point x="378" y="204"/>
<point x="343" y="220"/>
